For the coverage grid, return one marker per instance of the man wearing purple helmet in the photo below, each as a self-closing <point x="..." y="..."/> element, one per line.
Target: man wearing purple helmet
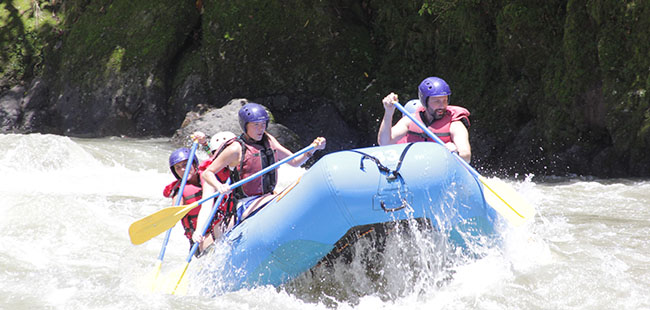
<point x="251" y="152"/>
<point x="448" y="122"/>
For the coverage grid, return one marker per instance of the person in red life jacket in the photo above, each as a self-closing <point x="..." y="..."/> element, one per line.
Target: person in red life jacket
<point x="218" y="140"/>
<point x="192" y="191"/>
<point x="226" y="212"/>
<point x="254" y="150"/>
<point x="450" y="123"/>
<point x="412" y="106"/>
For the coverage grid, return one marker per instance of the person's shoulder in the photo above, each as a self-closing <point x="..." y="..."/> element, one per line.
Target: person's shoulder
<point x="233" y="146"/>
<point x="454" y="109"/>
<point x="461" y="124"/>
<point x="272" y="139"/>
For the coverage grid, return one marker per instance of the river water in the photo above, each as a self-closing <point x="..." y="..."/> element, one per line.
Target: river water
<point x="66" y="205"/>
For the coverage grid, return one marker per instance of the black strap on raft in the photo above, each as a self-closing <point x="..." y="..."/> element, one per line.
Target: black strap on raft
<point x="401" y="157"/>
<point x="390" y="174"/>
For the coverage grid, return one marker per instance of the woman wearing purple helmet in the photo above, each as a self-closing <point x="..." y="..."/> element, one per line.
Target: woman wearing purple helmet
<point x="254" y="150"/>
<point x="448" y="122"/>
<point x="192" y="190"/>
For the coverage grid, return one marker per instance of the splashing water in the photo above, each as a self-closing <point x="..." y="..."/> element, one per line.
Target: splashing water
<point x="67" y="203"/>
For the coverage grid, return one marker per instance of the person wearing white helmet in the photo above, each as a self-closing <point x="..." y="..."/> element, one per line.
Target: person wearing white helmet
<point x="226" y="210"/>
<point x="449" y="123"/>
<point x="217" y="141"/>
<point x="412" y="106"/>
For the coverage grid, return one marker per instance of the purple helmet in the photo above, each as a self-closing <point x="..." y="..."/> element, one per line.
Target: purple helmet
<point x="178" y="156"/>
<point x="432" y="87"/>
<point x="252" y="112"/>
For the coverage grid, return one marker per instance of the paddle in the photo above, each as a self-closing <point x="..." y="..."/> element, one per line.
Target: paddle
<point x="154" y="224"/>
<point x="161" y="256"/>
<point x="503" y="198"/>
<point x="195" y="246"/>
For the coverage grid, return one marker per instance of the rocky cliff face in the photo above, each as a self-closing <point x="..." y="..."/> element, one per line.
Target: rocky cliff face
<point x="554" y="87"/>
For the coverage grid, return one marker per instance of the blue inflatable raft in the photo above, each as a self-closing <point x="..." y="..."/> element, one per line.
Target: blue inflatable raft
<point x="349" y="189"/>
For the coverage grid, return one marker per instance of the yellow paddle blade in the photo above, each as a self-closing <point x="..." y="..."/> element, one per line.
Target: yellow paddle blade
<point x="153" y="225"/>
<point x="154" y="277"/>
<point x="507" y="201"/>
<point x="179" y="283"/>
<point x="168" y="282"/>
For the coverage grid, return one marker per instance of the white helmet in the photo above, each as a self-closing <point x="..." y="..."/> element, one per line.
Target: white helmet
<point x="219" y="139"/>
<point x="412" y="105"/>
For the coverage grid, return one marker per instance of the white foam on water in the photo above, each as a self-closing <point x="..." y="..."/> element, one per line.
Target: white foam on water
<point x="66" y="205"/>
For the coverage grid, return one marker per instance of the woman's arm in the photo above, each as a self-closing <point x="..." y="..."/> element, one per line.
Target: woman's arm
<point x="229" y="157"/>
<point x="283" y="152"/>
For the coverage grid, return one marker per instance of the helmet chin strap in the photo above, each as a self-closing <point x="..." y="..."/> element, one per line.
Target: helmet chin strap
<point x="249" y="138"/>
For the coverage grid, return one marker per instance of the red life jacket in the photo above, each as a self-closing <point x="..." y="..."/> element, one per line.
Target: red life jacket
<point x="256" y="158"/>
<point x="227" y="206"/>
<point x="193" y="193"/>
<point x="439" y="127"/>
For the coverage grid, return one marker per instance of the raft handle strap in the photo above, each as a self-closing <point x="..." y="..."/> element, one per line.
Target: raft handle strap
<point x="365" y="156"/>
<point x="391" y="174"/>
<point x="383" y="206"/>
<point x="401" y="157"/>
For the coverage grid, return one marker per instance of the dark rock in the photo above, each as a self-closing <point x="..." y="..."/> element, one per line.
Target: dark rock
<point x="210" y="122"/>
<point x="607" y="163"/>
<point x="37" y="96"/>
<point x="188" y="97"/>
<point x="551" y="85"/>
<point x="10" y="110"/>
<point x="226" y="119"/>
<point x="310" y="121"/>
<point x="321" y="119"/>
<point x="35" y="105"/>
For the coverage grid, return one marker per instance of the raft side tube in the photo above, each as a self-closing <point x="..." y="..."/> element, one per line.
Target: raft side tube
<point x="349" y="189"/>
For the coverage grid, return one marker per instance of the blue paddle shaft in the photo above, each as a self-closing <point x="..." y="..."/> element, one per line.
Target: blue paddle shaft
<point x="195" y="246"/>
<point x="180" y="196"/>
<point x="261" y="172"/>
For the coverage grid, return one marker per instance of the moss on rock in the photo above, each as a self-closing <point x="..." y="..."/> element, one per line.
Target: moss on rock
<point x="113" y="64"/>
<point x="26" y="28"/>
<point x="298" y="48"/>
<point x="564" y="81"/>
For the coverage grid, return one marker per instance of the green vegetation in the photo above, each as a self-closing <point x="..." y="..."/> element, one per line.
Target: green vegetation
<point x="257" y="48"/>
<point x="575" y="72"/>
<point x="578" y="69"/>
<point x="26" y="28"/>
<point x="130" y="36"/>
